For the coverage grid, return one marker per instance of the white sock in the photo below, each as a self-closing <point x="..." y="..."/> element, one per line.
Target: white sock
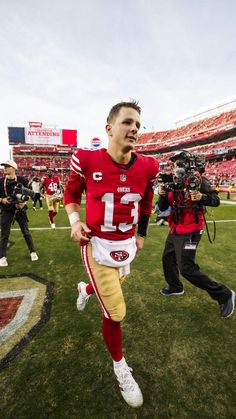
<point x="120" y="363"/>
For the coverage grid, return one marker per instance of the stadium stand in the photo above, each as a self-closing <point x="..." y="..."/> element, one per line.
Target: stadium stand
<point x="214" y="137"/>
<point x="32" y="160"/>
<point x="212" y="129"/>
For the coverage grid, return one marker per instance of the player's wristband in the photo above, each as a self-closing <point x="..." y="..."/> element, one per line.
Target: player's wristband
<point x="73" y="217"/>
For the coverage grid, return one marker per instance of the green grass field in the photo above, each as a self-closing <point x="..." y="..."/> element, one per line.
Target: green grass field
<point x="182" y="352"/>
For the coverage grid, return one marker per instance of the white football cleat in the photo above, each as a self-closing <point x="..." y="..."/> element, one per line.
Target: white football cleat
<point x="53" y="226"/>
<point x="83" y="296"/>
<point x="160" y="222"/>
<point x="34" y="256"/>
<point x="129" y="388"/>
<point x="3" y="262"/>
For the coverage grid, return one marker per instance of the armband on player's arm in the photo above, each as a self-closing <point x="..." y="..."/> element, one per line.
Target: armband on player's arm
<point x="143" y="225"/>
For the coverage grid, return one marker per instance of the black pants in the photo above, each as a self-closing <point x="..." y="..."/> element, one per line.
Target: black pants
<point x="179" y="257"/>
<point x="37" y="197"/>
<point x="6" y="221"/>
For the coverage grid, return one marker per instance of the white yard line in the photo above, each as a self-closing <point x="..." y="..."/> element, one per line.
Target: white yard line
<point x="151" y="224"/>
<point x="227" y="202"/>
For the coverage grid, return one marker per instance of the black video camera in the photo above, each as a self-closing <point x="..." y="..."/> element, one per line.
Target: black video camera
<point x="188" y="169"/>
<point x="169" y="181"/>
<point x="194" y="166"/>
<point x="189" y="161"/>
<point x="173" y="182"/>
<point x="20" y="194"/>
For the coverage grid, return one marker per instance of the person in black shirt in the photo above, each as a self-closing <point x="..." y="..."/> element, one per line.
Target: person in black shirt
<point x="13" y="211"/>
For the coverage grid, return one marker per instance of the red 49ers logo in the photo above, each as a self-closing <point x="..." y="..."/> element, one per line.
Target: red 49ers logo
<point x="119" y="255"/>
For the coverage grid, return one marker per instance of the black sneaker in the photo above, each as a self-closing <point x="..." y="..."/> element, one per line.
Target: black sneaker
<point x="167" y="291"/>
<point x="227" y="308"/>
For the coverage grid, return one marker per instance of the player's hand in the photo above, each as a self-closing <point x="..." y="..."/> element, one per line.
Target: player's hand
<point x="80" y="232"/>
<point x="161" y="190"/>
<point x="139" y="243"/>
<point x="196" y="196"/>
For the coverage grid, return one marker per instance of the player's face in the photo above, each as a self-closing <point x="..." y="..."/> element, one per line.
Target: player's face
<point x="123" y="130"/>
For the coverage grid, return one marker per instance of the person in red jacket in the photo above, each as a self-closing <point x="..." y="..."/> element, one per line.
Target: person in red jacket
<point x="186" y="222"/>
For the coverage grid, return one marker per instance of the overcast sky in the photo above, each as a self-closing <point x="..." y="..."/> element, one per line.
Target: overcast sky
<point x="66" y="62"/>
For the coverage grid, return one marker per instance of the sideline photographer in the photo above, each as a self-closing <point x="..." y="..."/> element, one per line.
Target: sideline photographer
<point x="188" y="192"/>
<point x="13" y="197"/>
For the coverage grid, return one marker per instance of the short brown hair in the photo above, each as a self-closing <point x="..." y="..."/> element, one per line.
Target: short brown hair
<point x="116" y="109"/>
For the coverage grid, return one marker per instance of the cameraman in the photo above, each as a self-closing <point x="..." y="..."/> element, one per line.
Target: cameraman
<point x="12" y="211"/>
<point x="186" y="222"/>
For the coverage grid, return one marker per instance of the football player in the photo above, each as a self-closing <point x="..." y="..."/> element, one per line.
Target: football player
<point x="51" y="185"/>
<point x="119" y="190"/>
